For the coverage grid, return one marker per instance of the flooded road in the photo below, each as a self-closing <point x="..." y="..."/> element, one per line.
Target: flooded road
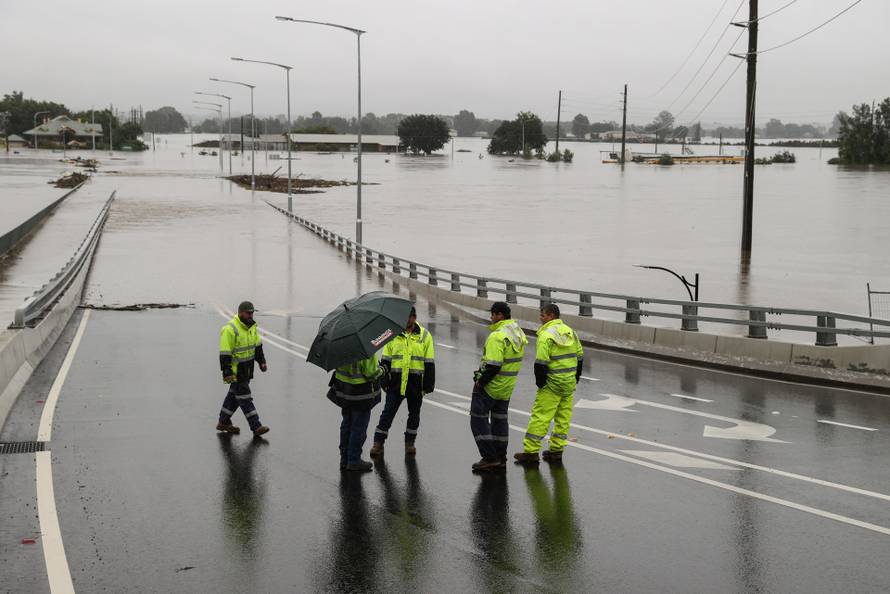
<point x="667" y="485"/>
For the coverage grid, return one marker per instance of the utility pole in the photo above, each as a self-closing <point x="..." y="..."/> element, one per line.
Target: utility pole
<point x="624" y="126"/>
<point x="111" y="128"/>
<point x="558" y="113"/>
<point x="748" y="195"/>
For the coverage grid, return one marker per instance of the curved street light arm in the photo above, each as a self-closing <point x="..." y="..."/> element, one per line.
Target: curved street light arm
<point x="335" y="25"/>
<point x="682" y="279"/>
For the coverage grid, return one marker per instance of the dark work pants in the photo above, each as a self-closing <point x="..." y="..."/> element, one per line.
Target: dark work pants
<point x="489" y="424"/>
<point x="353" y="432"/>
<point x="393" y="402"/>
<point x="239" y="396"/>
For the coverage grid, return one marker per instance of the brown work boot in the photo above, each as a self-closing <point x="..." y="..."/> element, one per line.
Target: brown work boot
<point x="487" y="465"/>
<point x="227" y="428"/>
<point x="552" y="456"/>
<point x="410" y="449"/>
<point x="525" y="458"/>
<point x="261" y="430"/>
<point x="376" y="450"/>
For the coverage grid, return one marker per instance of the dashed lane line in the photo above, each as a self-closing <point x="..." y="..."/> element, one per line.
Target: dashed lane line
<point x="826" y="422"/>
<point x="696" y="398"/>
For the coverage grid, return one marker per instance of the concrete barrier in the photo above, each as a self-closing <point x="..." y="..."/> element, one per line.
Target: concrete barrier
<point x="22" y="350"/>
<point x="866" y="367"/>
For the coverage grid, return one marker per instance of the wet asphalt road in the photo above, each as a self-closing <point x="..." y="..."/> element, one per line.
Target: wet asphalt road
<point x="151" y="499"/>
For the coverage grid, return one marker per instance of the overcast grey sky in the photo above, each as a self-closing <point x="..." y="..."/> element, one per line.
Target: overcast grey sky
<point x="492" y="57"/>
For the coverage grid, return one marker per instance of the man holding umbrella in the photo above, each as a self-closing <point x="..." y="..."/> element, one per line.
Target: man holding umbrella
<point x="410" y="362"/>
<point x="347" y="341"/>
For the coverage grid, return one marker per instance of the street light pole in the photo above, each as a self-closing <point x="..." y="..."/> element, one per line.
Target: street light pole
<point x="287" y="69"/>
<point x="218" y="110"/>
<point x="35" y="126"/>
<point x="252" y="129"/>
<point x="358" y="186"/>
<point x="229" y="101"/>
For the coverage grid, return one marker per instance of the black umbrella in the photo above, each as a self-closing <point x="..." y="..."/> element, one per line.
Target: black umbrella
<point x="358" y="328"/>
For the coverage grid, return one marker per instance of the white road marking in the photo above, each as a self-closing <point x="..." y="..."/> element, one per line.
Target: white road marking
<point x="590" y="379"/>
<point x="50" y="535"/>
<point x="226" y="313"/>
<point x="746" y="430"/>
<point x="845" y="425"/>
<point x="679" y="460"/>
<point x="706" y="481"/>
<point x="45" y="428"/>
<point x="655" y="444"/>
<point x="696" y="398"/>
<point x="445" y="346"/>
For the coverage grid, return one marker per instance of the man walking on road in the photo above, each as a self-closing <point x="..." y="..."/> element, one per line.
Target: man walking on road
<point x="409" y="360"/>
<point x="239" y="346"/>
<point x="355" y="389"/>
<point x="558" y="359"/>
<point x="493" y="387"/>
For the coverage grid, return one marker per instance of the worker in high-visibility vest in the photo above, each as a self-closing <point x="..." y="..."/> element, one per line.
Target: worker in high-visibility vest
<point x="355" y="388"/>
<point x="558" y="359"/>
<point x="493" y="386"/>
<point x="239" y="346"/>
<point x="409" y="360"/>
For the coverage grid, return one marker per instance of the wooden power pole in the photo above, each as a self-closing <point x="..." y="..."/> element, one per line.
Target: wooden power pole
<point x="558" y="113"/>
<point x="748" y="194"/>
<point x="623" y="126"/>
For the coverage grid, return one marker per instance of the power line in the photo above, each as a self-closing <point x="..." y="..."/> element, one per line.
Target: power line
<point x="813" y="30"/>
<point x="719" y="64"/>
<point x="780" y="9"/>
<point x="714" y="96"/>
<point x="708" y="57"/>
<point x="695" y="47"/>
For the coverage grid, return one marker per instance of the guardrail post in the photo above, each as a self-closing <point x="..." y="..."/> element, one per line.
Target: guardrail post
<point x="433" y="279"/>
<point x="545" y="296"/>
<point x="584" y="309"/>
<point x="381" y="261"/>
<point x="348" y="249"/>
<point x="511" y="293"/>
<point x="481" y="287"/>
<point x="455" y="282"/>
<point x="632" y="317"/>
<point x="826" y="337"/>
<point x="757" y="331"/>
<point x="690" y="325"/>
<point x="369" y="257"/>
<point x="412" y="270"/>
<point x="395" y="266"/>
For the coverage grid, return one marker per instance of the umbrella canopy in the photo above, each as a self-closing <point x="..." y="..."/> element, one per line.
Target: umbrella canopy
<point x="358" y="328"/>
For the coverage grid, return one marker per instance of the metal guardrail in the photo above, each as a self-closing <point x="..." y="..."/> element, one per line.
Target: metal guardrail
<point x="758" y="319"/>
<point x="11" y="238"/>
<point x="44" y="298"/>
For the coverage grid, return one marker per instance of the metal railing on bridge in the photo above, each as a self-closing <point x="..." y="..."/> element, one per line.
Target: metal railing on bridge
<point x="757" y="319"/>
<point x="36" y="306"/>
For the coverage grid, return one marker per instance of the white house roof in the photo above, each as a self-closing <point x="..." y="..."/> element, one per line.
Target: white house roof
<point x="382" y="139"/>
<point x="55" y="126"/>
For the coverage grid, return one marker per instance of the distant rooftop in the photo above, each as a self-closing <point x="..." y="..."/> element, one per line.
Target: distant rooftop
<point x="55" y="126"/>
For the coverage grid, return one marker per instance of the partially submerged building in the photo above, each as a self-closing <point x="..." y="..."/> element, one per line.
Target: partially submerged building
<point x="65" y="129"/>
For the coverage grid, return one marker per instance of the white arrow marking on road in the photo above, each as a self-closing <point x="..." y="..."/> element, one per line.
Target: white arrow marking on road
<point x="445" y="346"/>
<point x="590" y="379"/>
<point x="746" y="430"/>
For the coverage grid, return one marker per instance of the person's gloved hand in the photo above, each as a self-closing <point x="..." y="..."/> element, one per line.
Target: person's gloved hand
<point x="229" y="379"/>
<point x="263" y="367"/>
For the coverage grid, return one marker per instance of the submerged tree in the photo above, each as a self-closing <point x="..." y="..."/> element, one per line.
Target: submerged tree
<point x="423" y="133"/>
<point x="864" y="136"/>
<point x="525" y="133"/>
